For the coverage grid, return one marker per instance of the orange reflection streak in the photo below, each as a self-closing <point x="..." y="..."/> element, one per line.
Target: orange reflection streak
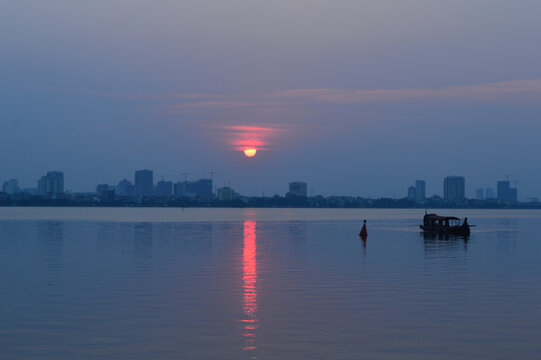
<point x="249" y="278"/>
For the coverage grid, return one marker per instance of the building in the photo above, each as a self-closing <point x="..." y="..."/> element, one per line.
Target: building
<point x="489" y="194"/>
<point x="11" y="186"/>
<point x="420" y="191"/>
<point x="479" y="194"/>
<point x="51" y="184"/>
<point x="454" y="188"/>
<point x="125" y="188"/>
<point x="225" y="193"/>
<point x="144" y="182"/>
<point x="179" y="189"/>
<point x="164" y="188"/>
<point x="298" y="188"/>
<point x="201" y="188"/>
<point x="506" y="192"/>
<point x="412" y="193"/>
<point x="105" y="192"/>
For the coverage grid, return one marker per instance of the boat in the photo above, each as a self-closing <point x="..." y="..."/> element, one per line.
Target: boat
<point x="435" y="224"/>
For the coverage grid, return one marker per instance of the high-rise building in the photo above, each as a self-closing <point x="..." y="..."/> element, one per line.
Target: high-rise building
<point x="179" y="189"/>
<point x="225" y="193"/>
<point x="420" y="190"/>
<point x="11" y="186"/>
<point x="479" y="194"/>
<point x="503" y="190"/>
<point x="125" y="188"/>
<point x="412" y="193"/>
<point x="506" y="192"/>
<point x="298" y="188"/>
<point x="105" y="192"/>
<point x="489" y="193"/>
<point x="51" y="184"/>
<point x="454" y="188"/>
<point x="201" y="188"/>
<point x="144" y="182"/>
<point x="163" y="188"/>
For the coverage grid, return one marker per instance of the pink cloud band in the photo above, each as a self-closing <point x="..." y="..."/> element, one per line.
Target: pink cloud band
<point x="516" y="91"/>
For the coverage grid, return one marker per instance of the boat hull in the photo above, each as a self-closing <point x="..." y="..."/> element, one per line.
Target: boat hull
<point x="451" y="230"/>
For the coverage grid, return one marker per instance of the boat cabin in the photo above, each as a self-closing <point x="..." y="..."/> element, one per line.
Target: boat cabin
<point x="445" y="224"/>
<point x="433" y="221"/>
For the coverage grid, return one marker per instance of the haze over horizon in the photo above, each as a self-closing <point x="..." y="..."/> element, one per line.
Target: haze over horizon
<point x="354" y="97"/>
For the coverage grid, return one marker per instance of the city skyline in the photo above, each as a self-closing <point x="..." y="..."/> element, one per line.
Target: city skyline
<point x="143" y="184"/>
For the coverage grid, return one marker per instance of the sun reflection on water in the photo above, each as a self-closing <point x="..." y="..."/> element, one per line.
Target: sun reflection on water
<point x="249" y="278"/>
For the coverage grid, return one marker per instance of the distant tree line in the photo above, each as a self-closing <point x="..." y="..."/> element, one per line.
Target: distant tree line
<point x="276" y="201"/>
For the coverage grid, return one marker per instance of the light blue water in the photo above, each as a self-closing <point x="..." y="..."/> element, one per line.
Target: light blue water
<point x="269" y="284"/>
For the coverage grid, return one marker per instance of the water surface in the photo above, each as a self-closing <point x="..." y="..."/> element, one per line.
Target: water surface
<point x="266" y="283"/>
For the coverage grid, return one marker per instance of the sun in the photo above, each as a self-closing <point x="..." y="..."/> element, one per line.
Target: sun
<point x="250" y="152"/>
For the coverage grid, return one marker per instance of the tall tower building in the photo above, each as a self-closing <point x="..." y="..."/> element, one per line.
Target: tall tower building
<point x="506" y="192"/>
<point x="298" y="188"/>
<point x="420" y="190"/>
<point x="164" y="188"/>
<point x="51" y="184"/>
<point x="125" y="188"/>
<point x="11" y="186"/>
<point x="454" y="188"/>
<point x="480" y="194"/>
<point x="179" y="189"/>
<point x="225" y="193"/>
<point x="144" y="182"/>
<point x="412" y="193"/>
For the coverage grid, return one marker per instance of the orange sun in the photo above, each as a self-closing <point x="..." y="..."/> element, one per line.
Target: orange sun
<point x="250" y="152"/>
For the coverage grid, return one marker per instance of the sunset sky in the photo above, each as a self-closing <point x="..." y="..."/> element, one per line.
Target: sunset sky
<point x="354" y="97"/>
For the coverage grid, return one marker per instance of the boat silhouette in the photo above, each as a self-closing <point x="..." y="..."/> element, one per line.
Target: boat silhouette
<point x="435" y="224"/>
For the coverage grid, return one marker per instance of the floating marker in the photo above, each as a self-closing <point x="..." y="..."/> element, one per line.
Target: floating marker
<point x="363" y="232"/>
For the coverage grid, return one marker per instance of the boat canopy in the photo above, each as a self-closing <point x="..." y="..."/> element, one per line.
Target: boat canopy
<point x="437" y="217"/>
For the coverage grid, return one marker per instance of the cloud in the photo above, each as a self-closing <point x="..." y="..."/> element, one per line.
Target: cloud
<point x="161" y="96"/>
<point x="525" y="91"/>
<point x="241" y="137"/>
<point x="514" y="92"/>
<point x="217" y="104"/>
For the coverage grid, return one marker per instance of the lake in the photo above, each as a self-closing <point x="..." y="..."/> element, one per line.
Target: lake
<point x="166" y="283"/>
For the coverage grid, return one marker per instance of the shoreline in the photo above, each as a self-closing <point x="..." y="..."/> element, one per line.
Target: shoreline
<point x="168" y="214"/>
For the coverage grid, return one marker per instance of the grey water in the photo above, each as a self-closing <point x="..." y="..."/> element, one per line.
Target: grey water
<point x="101" y="283"/>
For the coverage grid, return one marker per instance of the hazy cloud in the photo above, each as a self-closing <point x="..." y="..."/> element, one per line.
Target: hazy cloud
<point x="510" y="91"/>
<point x="516" y="91"/>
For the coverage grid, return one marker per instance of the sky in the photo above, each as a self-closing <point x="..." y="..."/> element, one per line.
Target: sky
<point x="355" y="97"/>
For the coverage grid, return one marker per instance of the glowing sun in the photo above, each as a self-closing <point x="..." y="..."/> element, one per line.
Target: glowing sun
<point x="250" y="152"/>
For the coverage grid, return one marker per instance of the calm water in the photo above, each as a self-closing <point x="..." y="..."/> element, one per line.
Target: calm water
<point x="266" y="284"/>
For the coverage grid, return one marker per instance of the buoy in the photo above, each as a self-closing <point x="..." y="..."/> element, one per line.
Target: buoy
<point x="363" y="232"/>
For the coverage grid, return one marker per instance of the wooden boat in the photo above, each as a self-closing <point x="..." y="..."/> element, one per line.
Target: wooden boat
<point x="433" y="223"/>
